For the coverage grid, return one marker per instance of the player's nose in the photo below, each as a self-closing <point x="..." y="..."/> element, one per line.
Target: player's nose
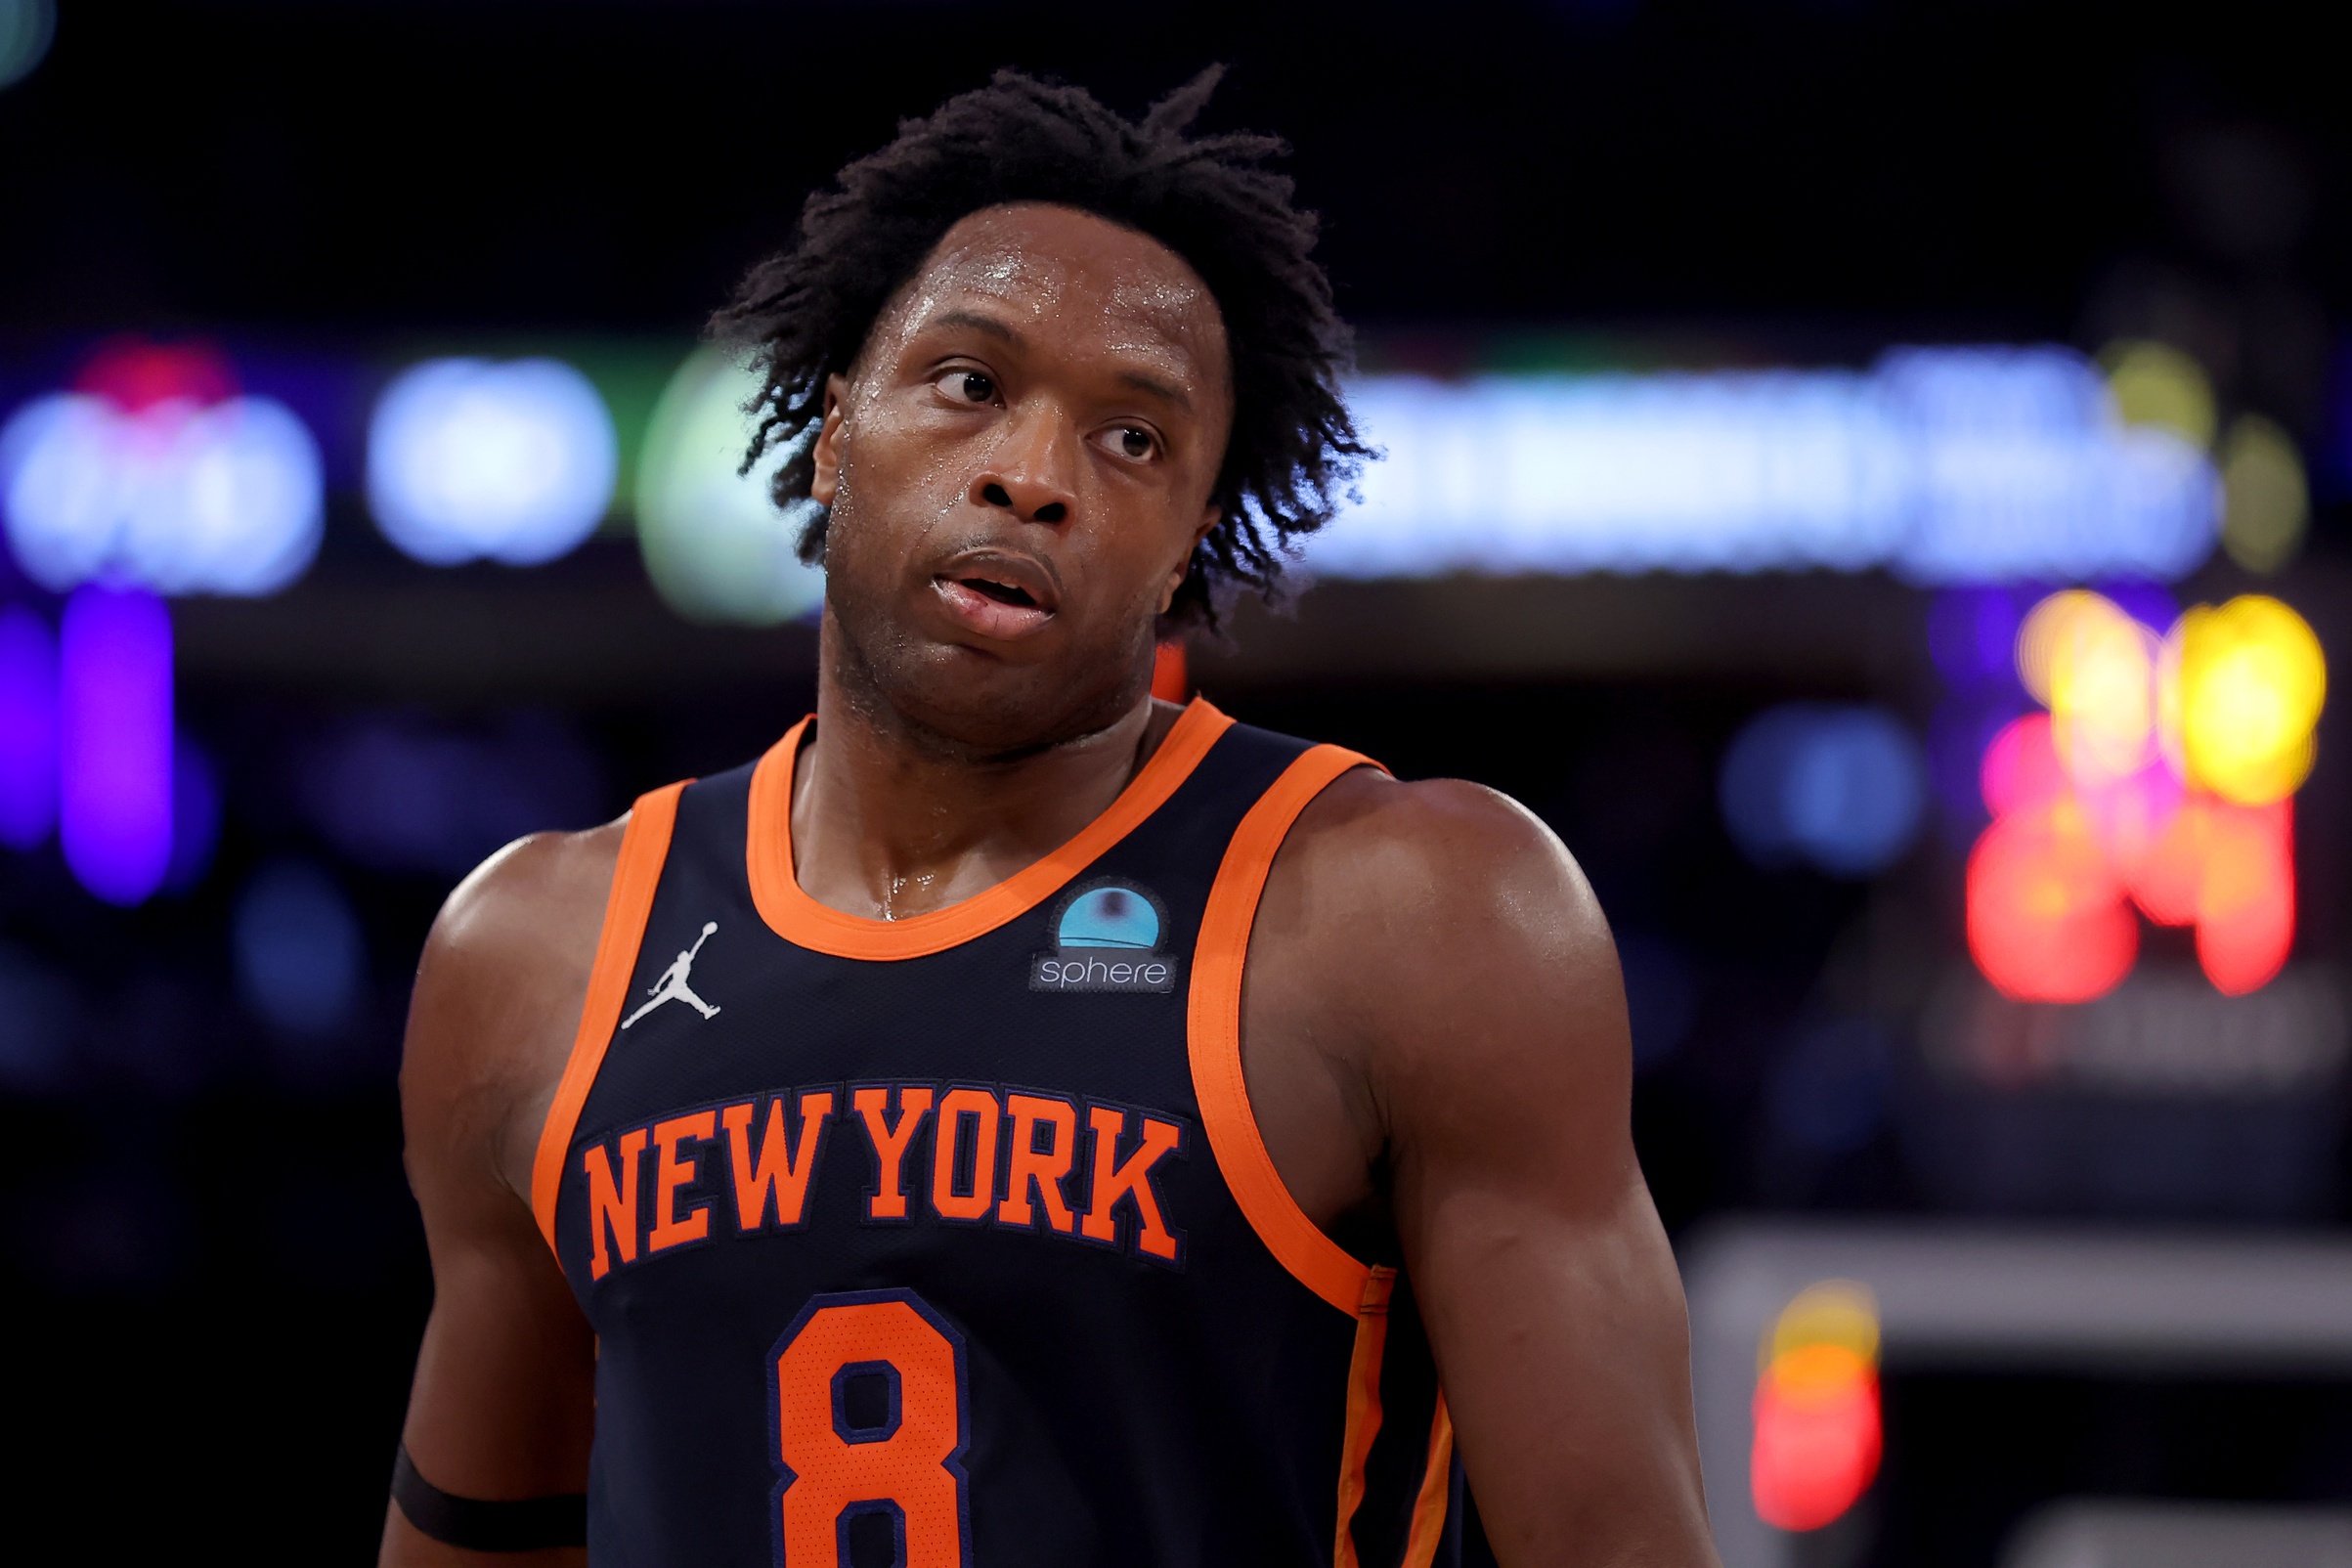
<point x="1032" y="472"/>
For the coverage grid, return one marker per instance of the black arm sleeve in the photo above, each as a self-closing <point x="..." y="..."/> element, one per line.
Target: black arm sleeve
<point x="478" y="1526"/>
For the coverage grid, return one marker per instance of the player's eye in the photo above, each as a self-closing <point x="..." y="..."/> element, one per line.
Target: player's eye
<point x="969" y="386"/>
<point x="1133" y="441"/>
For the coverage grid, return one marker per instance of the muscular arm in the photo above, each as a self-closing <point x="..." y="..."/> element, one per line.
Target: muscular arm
<point x="503" y="1404"/>
<point x="1434" y="993"/>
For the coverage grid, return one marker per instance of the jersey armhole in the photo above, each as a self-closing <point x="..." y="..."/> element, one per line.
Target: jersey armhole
<point x="644" y="847"/>
<point x="1213" y="1028"/>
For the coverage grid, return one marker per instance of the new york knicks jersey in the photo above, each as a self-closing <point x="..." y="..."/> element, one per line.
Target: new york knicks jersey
<point x="951" y="1241"/>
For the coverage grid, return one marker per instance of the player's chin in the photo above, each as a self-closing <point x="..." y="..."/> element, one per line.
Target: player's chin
<point x="1020" y="699"/>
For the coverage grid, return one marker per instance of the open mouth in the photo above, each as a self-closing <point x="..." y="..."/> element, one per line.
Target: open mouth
<point x="1002" y="592"/>
<point x="1000" y="596"/>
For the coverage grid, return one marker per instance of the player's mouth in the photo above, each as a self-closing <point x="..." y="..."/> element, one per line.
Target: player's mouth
<point x="998" y="596"/>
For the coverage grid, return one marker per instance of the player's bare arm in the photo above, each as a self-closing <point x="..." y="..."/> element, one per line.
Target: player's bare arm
<point x="502" y="1405"/>
<point x="1435" y="1037"/>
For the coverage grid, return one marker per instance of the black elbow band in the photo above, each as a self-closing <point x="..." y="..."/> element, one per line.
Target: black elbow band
<point x="477" y="1526"/>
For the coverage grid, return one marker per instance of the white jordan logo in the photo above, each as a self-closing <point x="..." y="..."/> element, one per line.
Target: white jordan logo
<point x="673" y="987"/>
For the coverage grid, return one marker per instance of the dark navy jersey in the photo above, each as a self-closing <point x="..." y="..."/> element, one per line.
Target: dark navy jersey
<point x="952" y="1240"/>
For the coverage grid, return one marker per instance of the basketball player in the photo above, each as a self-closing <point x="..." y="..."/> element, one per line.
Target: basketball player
<point x="1075" y="1129"/>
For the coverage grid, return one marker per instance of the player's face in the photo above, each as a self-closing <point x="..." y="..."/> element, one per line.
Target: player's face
<point x="1018" y="466"/>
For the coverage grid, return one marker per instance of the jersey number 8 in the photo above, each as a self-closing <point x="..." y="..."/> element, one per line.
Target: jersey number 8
<point x="870" y="1429"/>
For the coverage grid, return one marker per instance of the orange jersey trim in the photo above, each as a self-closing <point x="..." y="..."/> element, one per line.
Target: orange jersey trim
<point x="1214" y="1027"/>
<point x="644" y="847"/>
<point x="792" y="914"/>
<point x="1362" y="1406"/>
<point x="1437" y="1486"/>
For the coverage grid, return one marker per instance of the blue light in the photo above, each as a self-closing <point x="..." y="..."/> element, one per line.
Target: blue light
<point x="27" y="729"/>
<point x="182" y="499"/>
<point x="398" y="794"/>
<point x="1942" y="464"/>
<point x="25" y="29"/>
<point x="114" y="735"/>
<point x="38" y="1015"/>
<point x="301" y="958"/>
<point x="1839" y="787"/>
<point x="196" y="816"/>
<point x="470" y="458"/>
<point x="1828" y="1094"/>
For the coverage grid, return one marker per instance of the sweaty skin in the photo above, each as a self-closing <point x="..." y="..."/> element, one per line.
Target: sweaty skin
<point x="1433" y="1025"/>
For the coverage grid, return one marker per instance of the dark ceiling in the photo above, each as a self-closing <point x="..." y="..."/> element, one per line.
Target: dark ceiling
<point x="1968" y="168"/>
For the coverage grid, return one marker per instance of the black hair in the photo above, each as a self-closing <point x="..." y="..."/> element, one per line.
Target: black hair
<point x="805" y="312"/>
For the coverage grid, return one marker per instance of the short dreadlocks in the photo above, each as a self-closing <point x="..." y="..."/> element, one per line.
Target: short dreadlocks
<point x="806" y="311"/>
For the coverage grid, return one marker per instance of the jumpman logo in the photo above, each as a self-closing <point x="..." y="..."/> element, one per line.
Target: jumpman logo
<point x="673" y="987"/>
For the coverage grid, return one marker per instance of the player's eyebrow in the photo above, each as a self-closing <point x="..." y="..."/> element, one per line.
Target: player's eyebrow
<point x="1153" y="386"/>
<point x="977" y="323"/>
<point x="1149" y="385"/>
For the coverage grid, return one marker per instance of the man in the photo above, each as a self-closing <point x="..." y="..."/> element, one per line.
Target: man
<point x="1095" y="1132"/>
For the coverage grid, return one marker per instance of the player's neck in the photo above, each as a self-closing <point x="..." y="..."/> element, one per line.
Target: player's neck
<point x="891" y="819"/>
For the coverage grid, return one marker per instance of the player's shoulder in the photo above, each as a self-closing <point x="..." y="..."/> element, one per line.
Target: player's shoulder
<point x="1425" y="865"/>
<point x="512" y="900"/>
<point x="502" y="980"/>
<point x="1447" y="828"/>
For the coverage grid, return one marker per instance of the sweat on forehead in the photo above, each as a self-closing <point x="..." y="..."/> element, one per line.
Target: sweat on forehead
<point x="1033" y="265"/>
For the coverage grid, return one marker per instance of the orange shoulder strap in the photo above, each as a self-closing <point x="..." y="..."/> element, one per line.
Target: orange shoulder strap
<point x="1214" y="1026"/>
<point x="644" y="847"/>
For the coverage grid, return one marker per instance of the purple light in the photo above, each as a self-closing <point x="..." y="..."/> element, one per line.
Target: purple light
<point x="1972" y="636"/>
<point x="27" y="729"/>
<point x="114" y="727"/>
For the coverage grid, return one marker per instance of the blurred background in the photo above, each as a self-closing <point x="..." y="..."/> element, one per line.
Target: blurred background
<point x="1876" y="478"/>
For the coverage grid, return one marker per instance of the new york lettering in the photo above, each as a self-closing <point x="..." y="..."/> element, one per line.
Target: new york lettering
<point x="1015" y="1158"/>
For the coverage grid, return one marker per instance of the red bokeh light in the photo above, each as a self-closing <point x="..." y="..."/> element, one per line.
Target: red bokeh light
<point x="1817" y="1436"/>
<point x="2047" y="920"/>
<point x="2245" y="905"/>
<point x="135" y="375"/>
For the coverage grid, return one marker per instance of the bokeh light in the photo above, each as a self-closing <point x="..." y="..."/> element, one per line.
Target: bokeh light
<point x="1818" y="1430"/>
<point x="26" y="27"/>
<point x="2092" y="666"/>
<point x="2047" y="921"/>
<point x="2246" y="682"/>
<point x="1948" y="464"/>
<point x="2159" y="780"/>
<point x="196" y="815"/>
<point x="2267" y="498"/>
<point x="472" y="458"/>
<point x="2157" y="384"/>
<point x="27" y="728"/>
<point x="178" y="495"/>
<point x="716" y="545"/>
<point x="1838" y="786"/>
<point x="300" y="956"/>
<point x="115" y="774"/>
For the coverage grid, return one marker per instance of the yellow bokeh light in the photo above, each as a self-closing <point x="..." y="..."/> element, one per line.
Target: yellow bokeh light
<point x="2093" y="667"/>
<point x="2268" y="501"/>
<point x="2243" y="686"/>
<point x="1839" y="1313"/>
<point x="2156" y="383"/>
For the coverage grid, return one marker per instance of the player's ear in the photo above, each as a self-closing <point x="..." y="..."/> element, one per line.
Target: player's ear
<point x="1167" y="592"/>
<point x="826" y="454"/>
